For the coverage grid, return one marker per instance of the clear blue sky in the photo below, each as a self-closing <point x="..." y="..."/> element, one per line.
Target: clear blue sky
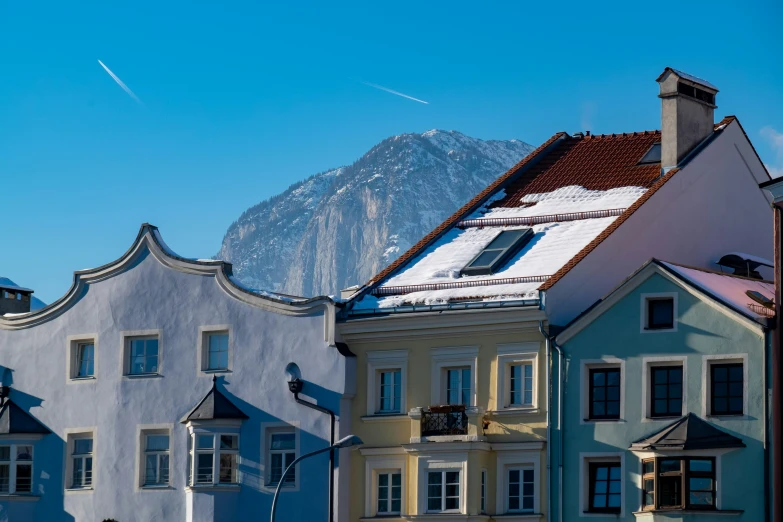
<point x="241" y="99"/>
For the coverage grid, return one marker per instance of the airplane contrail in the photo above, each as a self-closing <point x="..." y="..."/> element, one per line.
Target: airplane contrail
<point x="382" y="88"/>
<point x="119" y="82"/>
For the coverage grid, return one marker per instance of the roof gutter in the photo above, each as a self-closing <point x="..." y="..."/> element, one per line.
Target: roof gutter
<point x="550" y="343"/>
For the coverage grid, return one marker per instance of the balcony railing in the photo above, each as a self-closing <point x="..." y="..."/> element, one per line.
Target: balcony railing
<point x="444" y="420"/>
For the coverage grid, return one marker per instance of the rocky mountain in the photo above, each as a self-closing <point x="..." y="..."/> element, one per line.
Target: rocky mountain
<point x="340" y="227"/>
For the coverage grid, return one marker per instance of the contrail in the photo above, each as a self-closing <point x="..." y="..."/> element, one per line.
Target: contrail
<point x="119" y="82"/>
<point x="382" y="88"/>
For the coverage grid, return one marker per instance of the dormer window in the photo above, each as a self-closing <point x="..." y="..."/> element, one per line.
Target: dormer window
<point x="498" y="252"/>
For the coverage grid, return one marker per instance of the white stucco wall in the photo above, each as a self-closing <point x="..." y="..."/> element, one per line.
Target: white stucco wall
<point x="146" y="295"/>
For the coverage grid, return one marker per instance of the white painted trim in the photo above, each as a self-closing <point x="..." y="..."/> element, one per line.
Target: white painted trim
<point x="267" y="428"/>
<point x="584" y="374"/>
<point x="125" y="337"/>
<point x="373" y="452"/>
<point x="69" y="435"/>
<point x="452" y="357"/>
<point x="72" y="346"/>
<point x="142" y="430"/>
<point x="443" y="461"/>
<point x="644" y="308"/>
<point x="706" y="363"/>
<point x="517" y="459"/>
<point x="373" y="464"/>
<point x="647" y="364"/>
<point x="585" y="458"/>
<point x="202" y="348"/>
<point x="386" y="360"/>
<point x="515" y="353"/>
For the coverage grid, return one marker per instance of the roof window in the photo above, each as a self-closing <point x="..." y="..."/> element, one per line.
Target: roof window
<point x="497" y="253"/>
<point x="652" y="156"/>
<point x="695" y="92"/>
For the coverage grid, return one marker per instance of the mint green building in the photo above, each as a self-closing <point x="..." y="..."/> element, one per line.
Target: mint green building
<point x="665" y="413"/>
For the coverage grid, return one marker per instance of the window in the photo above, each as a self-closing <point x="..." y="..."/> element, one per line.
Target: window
<point x="726" y="392"/>
<point x="390" y="391"/>
<point x="458" y="386"/>
<point x="85" y="360"/>
<point x="605" y="487"/>
<point x="660" y="314"/>
<point x="389" y="493"/>
<point x="217" y="351"/>
<point x="653" y="155"/>
<point x="666" y="391"/>
<point x="16" y="469"/>
<point x="82" y="358"/>
<point x="143" y="355"/>
<point x="81" y="459"/>
<point x="604" y="390"/>
<point x="516" y="378"/>
<point x="521" y="489"/>
<point x="678" y="483"/>
<point x="282" y="452"/>
<point x="483" y="491"/>
<point x="521" y="384"/>
<point x="443" y="491"/>
<point x="216" y="451"/>
<point x="156" y="459"/>
<point x="498" y="252"/>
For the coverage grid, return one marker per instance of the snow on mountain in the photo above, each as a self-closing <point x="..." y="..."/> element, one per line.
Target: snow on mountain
<point x="340" y="227"/>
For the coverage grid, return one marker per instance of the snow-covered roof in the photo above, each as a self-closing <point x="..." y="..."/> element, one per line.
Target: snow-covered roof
<point x="730" y="289"/>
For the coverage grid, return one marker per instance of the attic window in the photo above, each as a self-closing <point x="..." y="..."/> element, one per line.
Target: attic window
<point x="497" y="253"/>
<point x="652" y="156"/>
<point x="695" y="92"/>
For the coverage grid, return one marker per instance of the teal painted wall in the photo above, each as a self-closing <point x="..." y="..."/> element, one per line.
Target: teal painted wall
<point x="702" y="330"/>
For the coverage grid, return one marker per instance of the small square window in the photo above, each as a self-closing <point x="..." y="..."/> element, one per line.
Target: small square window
<point x="143" y="355"/>
<point x="660" y="314"/>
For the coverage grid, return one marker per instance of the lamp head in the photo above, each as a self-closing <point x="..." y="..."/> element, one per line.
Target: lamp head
<point x="347" y="442"/>
<point x="294" y="377"/>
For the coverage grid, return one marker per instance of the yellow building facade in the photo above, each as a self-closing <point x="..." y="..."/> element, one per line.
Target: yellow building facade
<point x="451" y="406"/>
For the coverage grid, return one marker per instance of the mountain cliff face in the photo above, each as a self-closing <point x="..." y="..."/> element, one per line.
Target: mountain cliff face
<point x="340" y="227"/>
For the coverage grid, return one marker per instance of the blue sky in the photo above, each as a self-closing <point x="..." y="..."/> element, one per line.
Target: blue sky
<point x="241" y="99"/>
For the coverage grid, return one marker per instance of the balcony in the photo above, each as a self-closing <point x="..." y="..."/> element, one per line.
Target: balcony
<point x="446" y="423"/>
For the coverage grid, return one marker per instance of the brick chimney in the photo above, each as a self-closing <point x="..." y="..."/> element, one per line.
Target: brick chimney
<point x="687" y="114"/>
<point x="14" y="299"/>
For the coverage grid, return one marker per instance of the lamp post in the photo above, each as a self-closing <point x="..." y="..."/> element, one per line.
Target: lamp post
<point x="347" y="442"/>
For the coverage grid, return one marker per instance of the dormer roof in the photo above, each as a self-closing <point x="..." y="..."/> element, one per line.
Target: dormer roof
<point x="688" y="433"/>
<point x="15" y="421"/>
<point x="214" y="406"/>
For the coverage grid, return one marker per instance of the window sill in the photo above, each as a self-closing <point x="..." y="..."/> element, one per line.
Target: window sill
<point x="80" y="490"/>
<point x="604" y="420"/>
<point x="386" y="417"/>
<point x="214" y="487"/>
<point x="519" y="516"/>
<point x="5" y="497"/>
<point x="142" y="375"/>
<point x="210" y="372"/>
<point x="90" y="378"/>
<point x="680" y="512"/>
<point x="733" y="416"/>
<point x="162" y="487"/>
<point x="521" y="410"/>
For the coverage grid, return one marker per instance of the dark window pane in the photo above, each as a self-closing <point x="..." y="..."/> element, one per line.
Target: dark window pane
<point x="613" y="377"/>
<point x="670" y="491"/>
<point x="701" y="498"/>
<point x="660" y="313"/>
<point x="649" y="466"/>
<point x="605" y="393"/>
<point x="599" y="378"/>
<point x="669" y="465"/>
<point x="701" y="465"/>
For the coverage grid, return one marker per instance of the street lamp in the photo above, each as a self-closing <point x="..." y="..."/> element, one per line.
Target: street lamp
<point x="347" y="442"/>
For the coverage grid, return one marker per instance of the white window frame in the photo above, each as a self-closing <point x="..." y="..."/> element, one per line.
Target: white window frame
<point x="126" y="338"/>
<point x="267" y="429"/>
<point x="507" y="356"/>
<point x="584" y="482"/>
<point x="449" y="358"/>
<point x="647" y="364"/>
<point x="507" y="460"/>
<point x="389" y="498"/>
<point x="12" y="464"/>
<point x="584" y="387"/>
<point x="203" y="349"/>
<point x="643" y="319"/>
<point x="270" y="452"/>
<point x="483" y="492"/>
<point x="443" y="486"/>
<point x="461" y="383"/>
<point x="706" y="383"/>
<point x="141" y="455"/>
<point x="385" y="360"/>
<point x="73" y="343"/>
<point x="215" y="431"/>
<point x="442" y="462"/>
<point x="378" y="461"/>
<point x="70" y="436"/>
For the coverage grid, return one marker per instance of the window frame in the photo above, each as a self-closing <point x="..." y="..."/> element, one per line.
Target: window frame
<point x="509" y="355"/>
<point x="521" y="468"/>
<point x="127" y="338"/>
<point x="483" y="497"/>
<point x="216" y="451"/>
<point x="13" y="464"/>
<point x="72" y="455"/>
<point x="267" y="430"/>
<point x="591" y="364"/>
<point x="652" y="387"/>
<point x="385" y="360"/>
<point x="591" y="394"/>
<point x="378" y="461"/>
<point x="592" y="469"/>
<point x="585" y="500"/>
<point x="396" y="391"/>
<point x="73" y="344"/>
<point x="270" y="482"/>
<point x="517" y="459"/>
<point x="452" y="357"/>
<point x="444" y="472"/>
<point x="728" y="397"/>
<point x="707" y="362"/>
<point x="461" y="384"/>
<point x="684" y="475"/>
<point x="647" y="383"/>
<point x="503" y="254"/>
<point x="202" y="346"/>
<point x="144" y="431"/>
<point x="390" y="497"/>
<point x="644" y="319"/>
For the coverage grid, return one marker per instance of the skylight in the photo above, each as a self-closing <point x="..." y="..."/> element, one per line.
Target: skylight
<point x="652" y="156"/>
<point x="497" y="253"/>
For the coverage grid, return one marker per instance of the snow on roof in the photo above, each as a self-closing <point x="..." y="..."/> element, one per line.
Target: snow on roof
<point x="7" y="284"/>
<point x="730" y="289"/>
<point x="751" y="257"/>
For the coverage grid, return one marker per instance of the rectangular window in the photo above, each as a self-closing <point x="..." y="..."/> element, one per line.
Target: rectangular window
<point x="458" y="390"/>
<point x="678" y="483"/>
<point x="389" y="393"/>
<point x="156" y="460"/>
<point x="85" y="360"/>
<point x="81" y="459"/>
<point x="229" y="459"/>
<point x="498" y="252"/>
<point x="666" y="391"/>
<point x="483" y="491"/>
<point x="143" y="353"/>
<point x="282" y="452"/>
<point x="660" y="314"/>
<point x="521" y="384"/>
<point x="726" y="389"/>
<point x="216" y="452"/>
<point x="16" y="469"/>
<point x="443" y="491"/>
<point x="605" y="487"/>
<point x="389" y="493"/>
<point x="605" y="393"/>
<point x="521" y="489"/>
<point x="205" y="456"/>
<point x="217" y="351"/>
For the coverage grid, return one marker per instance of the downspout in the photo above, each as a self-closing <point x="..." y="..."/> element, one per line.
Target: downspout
<point x="548" y="424"/>
<point x="777" y="439"/>
<point x="331" y="451"/>
<point x="767" y="341"/>
<point x="551" y="342"/>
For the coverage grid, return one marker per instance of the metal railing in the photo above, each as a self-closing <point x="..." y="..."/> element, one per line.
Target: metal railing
<point x="537" y="220"/>
<point x="444" y="420"/>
